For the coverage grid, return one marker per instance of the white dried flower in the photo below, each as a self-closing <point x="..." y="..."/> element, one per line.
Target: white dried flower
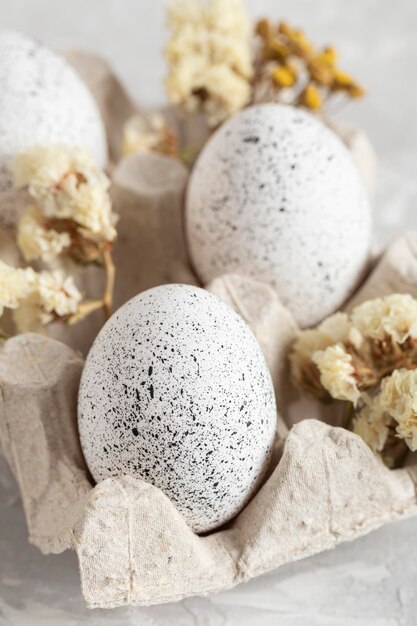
<point x="337" y="373"/>
<point x="15" y="285"/>
<point x="210" y="57"/>
<point x="66" y="184"/>
<point x="334" y="329"/>
<point x="394" y="315"/>
<point x="36" y="297"/>
<point x="148" y="133"/>
<point x="398" y="399"/>
<point x="372" y="425"/>
<point x="37" y="242"/>
<point x="52" y="296"/>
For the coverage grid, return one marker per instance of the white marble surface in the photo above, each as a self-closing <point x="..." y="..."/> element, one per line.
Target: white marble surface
<point x="371" y="581"/>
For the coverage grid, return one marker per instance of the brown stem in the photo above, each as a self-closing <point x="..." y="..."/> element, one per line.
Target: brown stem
<point x="110" y="278"/>
<point x="3" y="334"/>
<point x="84" y="310"/>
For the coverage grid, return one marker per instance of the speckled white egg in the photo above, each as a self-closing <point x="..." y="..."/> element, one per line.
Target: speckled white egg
<point x="43" y="101"/>
<point x="176" y="391"/>
<point x="275" y="195"/>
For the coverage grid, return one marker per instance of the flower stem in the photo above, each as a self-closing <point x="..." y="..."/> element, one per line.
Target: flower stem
<point x="110" y="279"/>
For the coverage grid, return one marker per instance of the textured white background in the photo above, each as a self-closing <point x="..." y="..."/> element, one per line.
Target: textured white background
<point x="373" y="580"/>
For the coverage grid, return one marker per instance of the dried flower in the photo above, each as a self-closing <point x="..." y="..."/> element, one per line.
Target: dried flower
<point x="337" y="374"/>
<point x="310" y="97"/>
<point x="67" y="185"/>
<point x="72" y="216"/>
<point x="373" y="426"/>
<point x="149" y="133"/>
<point x="36" y="241"/>
<point x="37" y="298"/>
<point x="53" y="297"/>
<point x="304" y="371"/>
<point x="394" y="316"/>
<point x="316" y="78"/>
<point x="398" y="400"/>
<point x="210" y="58"/>
<point x="380" y="336"/>
<point x="370" y="360"/>
<point x="15" y="285"/>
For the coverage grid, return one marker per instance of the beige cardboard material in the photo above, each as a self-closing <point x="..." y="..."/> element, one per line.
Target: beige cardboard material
<point x="325" y="485"/>
<point x="133" y="546"/>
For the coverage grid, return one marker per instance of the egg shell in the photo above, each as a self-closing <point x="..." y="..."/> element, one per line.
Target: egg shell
<point x="43" y="101"/>
<point x="275" y="195"/>
<point x="176" y="391"/>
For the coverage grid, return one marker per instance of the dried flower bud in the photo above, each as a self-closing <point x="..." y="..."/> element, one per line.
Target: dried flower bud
<point x="337" y="373"/>
<point x="373" y="426"/>
<point x="394" y="316"/>
<point x="66" y="185"/>
<point x="210" y="57"/>
<point x="36" y="241"/>
<point x="37" y="298"/>
<point x="311" y="98"/>
<point x="149" y="133"/>
<point x="15" y="285"/>
<point x="284" y="75"/>
<point x="398" y="400"/>
<point x="317" y="77"/>
<point x="303" y="370"/>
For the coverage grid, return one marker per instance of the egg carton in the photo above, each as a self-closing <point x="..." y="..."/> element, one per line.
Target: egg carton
<point x="325" y="486"/>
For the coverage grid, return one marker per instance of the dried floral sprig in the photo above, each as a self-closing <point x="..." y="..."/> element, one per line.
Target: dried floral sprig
<point x="290" y="69"/>
<point x="209" y="56"/>
<point x="392" y="411"/>
<point x="37" y="298"/>
<point x="65" y="184"/>
<point x="370" y="360"/>
<point x="149" y="133"/>
<point x="71" y="216"/>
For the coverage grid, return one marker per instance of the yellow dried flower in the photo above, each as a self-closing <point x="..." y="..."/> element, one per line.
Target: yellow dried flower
<point x="210" y="57"/>
<point x="337" y="373"/>
<point x="303" y="47"/>
<point x="264" y="29"/>
<point x="344" y="82"/>
<point x="277" y="50"/>
<point x="317" y="77"/>
<point x="328" y="56"/>
<point x="311" y="98"/>
<point x="284" y="75"/>
<point x="35" y="241"/>
<point x="66" y="184"/>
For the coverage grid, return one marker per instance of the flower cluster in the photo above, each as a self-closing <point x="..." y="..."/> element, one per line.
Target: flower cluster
<point x="370" y="360"/>
<point x="210" y="57"/>
<point x="72" y="206"/>
<point x="37" y="298"/>
<point x="69" y="218"/>
<point x="291" y="69"/>
<point x="149" y="133"/>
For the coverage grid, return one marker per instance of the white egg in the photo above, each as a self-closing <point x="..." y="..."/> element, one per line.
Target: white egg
<point x="43" y="101"/>
<point x="176" y="391"/>
<point x="275" y="195"/>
